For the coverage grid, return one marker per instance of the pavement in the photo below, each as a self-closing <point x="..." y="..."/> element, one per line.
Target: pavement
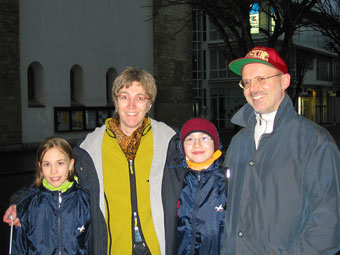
<point x="17" y="170"/>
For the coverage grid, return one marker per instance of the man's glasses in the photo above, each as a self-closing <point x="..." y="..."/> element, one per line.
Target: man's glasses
<point x="260" y="81"/>
<point x="125" y="99"/>
<point x="202" y="140"/>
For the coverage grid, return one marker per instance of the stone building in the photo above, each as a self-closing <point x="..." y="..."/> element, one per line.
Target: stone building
<point x="172" y="63"/>
<point x="59" y="59"/>
<point x="10" y="105"/>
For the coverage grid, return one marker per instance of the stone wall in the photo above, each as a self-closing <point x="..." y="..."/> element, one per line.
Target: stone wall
<point x="172" y="63"/>
<point x="10" y="100"/>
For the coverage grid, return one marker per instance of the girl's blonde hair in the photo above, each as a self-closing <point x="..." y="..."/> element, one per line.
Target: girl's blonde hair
<point x="49" y="143"/>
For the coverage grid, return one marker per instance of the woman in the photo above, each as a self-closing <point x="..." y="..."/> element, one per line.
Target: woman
<point x="194" y="190"/>
<point x="128" y="154"/>
<point x="121" y="166"/>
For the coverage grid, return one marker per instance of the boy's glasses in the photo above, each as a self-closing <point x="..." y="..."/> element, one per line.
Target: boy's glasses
<point x="202" y="140"/>
<point x="260" y="81"/>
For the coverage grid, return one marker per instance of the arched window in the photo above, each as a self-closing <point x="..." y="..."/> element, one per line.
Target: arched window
<point x="35" y="85"/>
<point x="111" y="75"/>
<point x="76" y="85"/>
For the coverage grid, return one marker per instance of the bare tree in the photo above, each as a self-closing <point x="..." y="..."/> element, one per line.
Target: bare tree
<point x="326" y="19"/>
<point x="231" y="19"/>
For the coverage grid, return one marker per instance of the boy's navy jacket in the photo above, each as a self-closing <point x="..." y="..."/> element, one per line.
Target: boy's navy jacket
<point x="53" y="222"/>
<point x="197" y="227"/>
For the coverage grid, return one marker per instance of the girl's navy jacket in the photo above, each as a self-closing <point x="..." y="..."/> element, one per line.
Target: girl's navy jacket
<point x="53" y="222"/>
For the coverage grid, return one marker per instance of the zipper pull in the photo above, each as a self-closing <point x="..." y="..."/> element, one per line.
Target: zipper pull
<point x="130" y="166"/>
<point x="59" y="199"/>
<point x="138" y="237"/>
<point x="199" y="177"/>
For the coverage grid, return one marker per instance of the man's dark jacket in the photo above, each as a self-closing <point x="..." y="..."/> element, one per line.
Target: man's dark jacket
<point x="284" y="196"/>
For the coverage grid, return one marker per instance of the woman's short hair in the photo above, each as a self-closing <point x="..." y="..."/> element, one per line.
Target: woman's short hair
<point x="49" y="143"/>
<point x="128" y="76"/>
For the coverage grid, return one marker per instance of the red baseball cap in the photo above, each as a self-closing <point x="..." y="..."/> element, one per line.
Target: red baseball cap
<point x="260" y="54"/>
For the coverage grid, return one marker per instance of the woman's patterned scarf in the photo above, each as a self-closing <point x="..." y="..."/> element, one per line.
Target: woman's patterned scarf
<point x="128" y="144"/>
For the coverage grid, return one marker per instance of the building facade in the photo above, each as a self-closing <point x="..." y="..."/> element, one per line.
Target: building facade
<point x="58" y="82"/>
<point x="70" y="52"/>
<point x="216" y="89"/>
<point x="172" y="63"/>
<point x="59" y="59"/>
<point x="10" y="97"/>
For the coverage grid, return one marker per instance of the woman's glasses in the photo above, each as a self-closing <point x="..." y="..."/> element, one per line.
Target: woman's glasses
<point x="125" y="99"/>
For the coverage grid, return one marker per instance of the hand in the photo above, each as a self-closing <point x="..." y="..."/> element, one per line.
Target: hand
<point x="12" y="210"/>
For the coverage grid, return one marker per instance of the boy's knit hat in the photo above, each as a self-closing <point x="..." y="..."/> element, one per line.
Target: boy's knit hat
<point x="200" y="125"/>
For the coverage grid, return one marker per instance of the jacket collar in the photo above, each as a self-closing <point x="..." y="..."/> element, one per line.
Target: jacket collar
<point x="245" y="117"/>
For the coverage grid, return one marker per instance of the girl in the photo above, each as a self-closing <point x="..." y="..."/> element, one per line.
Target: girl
<point x="55" y="212"/>
<point x="194" y="191"/>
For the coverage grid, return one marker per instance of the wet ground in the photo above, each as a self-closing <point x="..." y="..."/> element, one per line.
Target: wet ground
<point x="17" y="170"/>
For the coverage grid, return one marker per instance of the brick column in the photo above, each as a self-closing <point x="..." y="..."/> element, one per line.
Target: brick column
<point x="172" y="33"/>
<point x="10" y="94"/>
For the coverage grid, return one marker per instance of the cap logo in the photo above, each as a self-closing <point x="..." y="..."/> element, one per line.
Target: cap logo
<point x="260" y="54"/>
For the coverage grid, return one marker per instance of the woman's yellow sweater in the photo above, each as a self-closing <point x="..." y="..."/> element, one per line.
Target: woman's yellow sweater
<point x="117" y="188"/>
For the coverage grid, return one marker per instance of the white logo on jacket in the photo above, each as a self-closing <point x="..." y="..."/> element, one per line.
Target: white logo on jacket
<point x="219" y="208"/>
<point x="81" y="229"/>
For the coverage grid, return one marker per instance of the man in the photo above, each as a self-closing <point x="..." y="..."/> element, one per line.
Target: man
<point x="284" y="169"/>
